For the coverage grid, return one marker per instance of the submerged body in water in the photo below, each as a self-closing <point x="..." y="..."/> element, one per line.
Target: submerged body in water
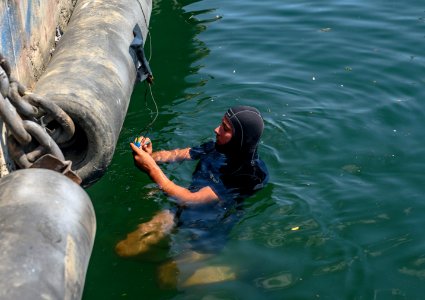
<point x="228" y="171"/>
<point x="211" y="222"/>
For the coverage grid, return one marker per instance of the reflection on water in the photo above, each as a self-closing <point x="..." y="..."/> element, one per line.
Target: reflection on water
<point x="274" y="282"/>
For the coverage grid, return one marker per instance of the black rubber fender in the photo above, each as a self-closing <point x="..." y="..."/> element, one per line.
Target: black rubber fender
<point x="47" y="230"/>
<point x="92" y="75"/>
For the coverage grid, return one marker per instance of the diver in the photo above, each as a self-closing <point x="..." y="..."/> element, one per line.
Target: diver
<point x="228" y="171"/>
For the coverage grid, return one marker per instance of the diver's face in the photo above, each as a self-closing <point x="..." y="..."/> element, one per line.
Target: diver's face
<point x="224" y="132"/>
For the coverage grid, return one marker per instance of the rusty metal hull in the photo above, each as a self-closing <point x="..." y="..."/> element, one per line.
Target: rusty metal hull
<point x="27" y="30"/>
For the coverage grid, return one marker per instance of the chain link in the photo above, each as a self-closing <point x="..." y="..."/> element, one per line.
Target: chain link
<point x="31" y="143"/>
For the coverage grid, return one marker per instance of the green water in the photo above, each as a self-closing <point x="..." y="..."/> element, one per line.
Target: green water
<point x="340" y="85"/>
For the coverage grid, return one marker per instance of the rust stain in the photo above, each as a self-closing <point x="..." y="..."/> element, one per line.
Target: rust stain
<point x="71" y="273"/>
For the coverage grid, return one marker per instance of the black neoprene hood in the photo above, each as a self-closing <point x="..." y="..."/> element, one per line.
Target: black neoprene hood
<point x="248" y="126"/>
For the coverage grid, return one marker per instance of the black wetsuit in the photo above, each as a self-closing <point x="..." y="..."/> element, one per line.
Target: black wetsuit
<point x="205" y="226"/>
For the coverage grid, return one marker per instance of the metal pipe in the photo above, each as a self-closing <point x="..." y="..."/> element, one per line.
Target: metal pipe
<point x="47" y="229"/>
<point x="92" y="75"/>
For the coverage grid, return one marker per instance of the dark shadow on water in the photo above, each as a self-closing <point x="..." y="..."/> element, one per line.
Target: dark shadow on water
<point x="175" y="53"/>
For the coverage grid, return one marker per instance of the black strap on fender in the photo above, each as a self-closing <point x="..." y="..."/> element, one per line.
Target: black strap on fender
<point x="138" y="54"/>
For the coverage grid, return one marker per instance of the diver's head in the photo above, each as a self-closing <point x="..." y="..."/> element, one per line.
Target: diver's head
<point x="240" y="131"/>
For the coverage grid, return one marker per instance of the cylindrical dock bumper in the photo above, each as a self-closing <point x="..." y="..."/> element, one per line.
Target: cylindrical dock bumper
<point x="92" y="76"/>
<point x="47" y="229"/>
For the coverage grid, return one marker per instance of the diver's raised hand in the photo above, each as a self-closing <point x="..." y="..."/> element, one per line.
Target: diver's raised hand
<point x="147" y="163"/>
<point x="142" y="159"/>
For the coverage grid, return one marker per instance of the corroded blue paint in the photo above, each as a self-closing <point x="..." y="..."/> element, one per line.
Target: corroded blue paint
<point x="28" y="18"/>
<point x="25" y="23"/>
<point x="11" y="28"/>
<point x="15" y="29"/>
<point x="6" y="45"/>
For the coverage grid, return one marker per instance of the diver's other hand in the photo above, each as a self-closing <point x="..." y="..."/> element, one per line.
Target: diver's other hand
<point x="142" y="159"/>
<point x="147" y="145"/>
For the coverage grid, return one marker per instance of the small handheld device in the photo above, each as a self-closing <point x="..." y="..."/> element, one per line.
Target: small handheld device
<point x="138" y="142"/>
